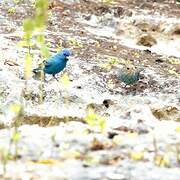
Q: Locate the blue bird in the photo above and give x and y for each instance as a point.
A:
(129, 74)
(55, 64)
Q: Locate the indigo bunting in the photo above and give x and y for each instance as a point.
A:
(55, 64)
(129, 74)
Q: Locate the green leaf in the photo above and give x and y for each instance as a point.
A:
(28, 25)
(16, 108)
(42, 4)
(28, 66)
(12, 10)
(95, 120)
(16, 136)
(40, 39)
(137, 155)
(45, 52)
(40, 21)
(16, 1)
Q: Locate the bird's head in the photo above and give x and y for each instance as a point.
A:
(128, 69)
(129, 74)
(66, 52)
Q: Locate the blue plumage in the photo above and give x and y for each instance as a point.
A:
(55, 64)
(129, 75)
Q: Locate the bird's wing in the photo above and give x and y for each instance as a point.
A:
(59, 57)
(48, 63)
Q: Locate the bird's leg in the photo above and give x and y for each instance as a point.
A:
(45, 80)
(54, 76)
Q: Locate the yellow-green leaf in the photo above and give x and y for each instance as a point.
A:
(42, 4)
(16, 136)
(162, 161)
(28, 25)
(65, 80)
(28, 66)
(178, 129)
(95, 120)
(45, 52)
(47, 161)
(137, 156)
(173, 72)
(41, 39)
(12, 10)
(75, 42)
(174, 61)
(108, 1)
(16, 108)
(16, 1)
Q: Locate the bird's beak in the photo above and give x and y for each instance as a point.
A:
(69, 58)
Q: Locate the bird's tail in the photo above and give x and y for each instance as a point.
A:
(38, 73)
(37, 70)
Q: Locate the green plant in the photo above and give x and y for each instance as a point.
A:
(4, 158)
(95, 120)
(33, 29)
(16, 1)
(12, 10)
(16, 136)
(107, 1)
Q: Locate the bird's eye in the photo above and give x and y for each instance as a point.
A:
(128, 68)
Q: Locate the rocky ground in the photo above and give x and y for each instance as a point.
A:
(141, 124)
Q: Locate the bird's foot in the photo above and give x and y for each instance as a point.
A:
(45, 80)
(55, 77)
(126, 86)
